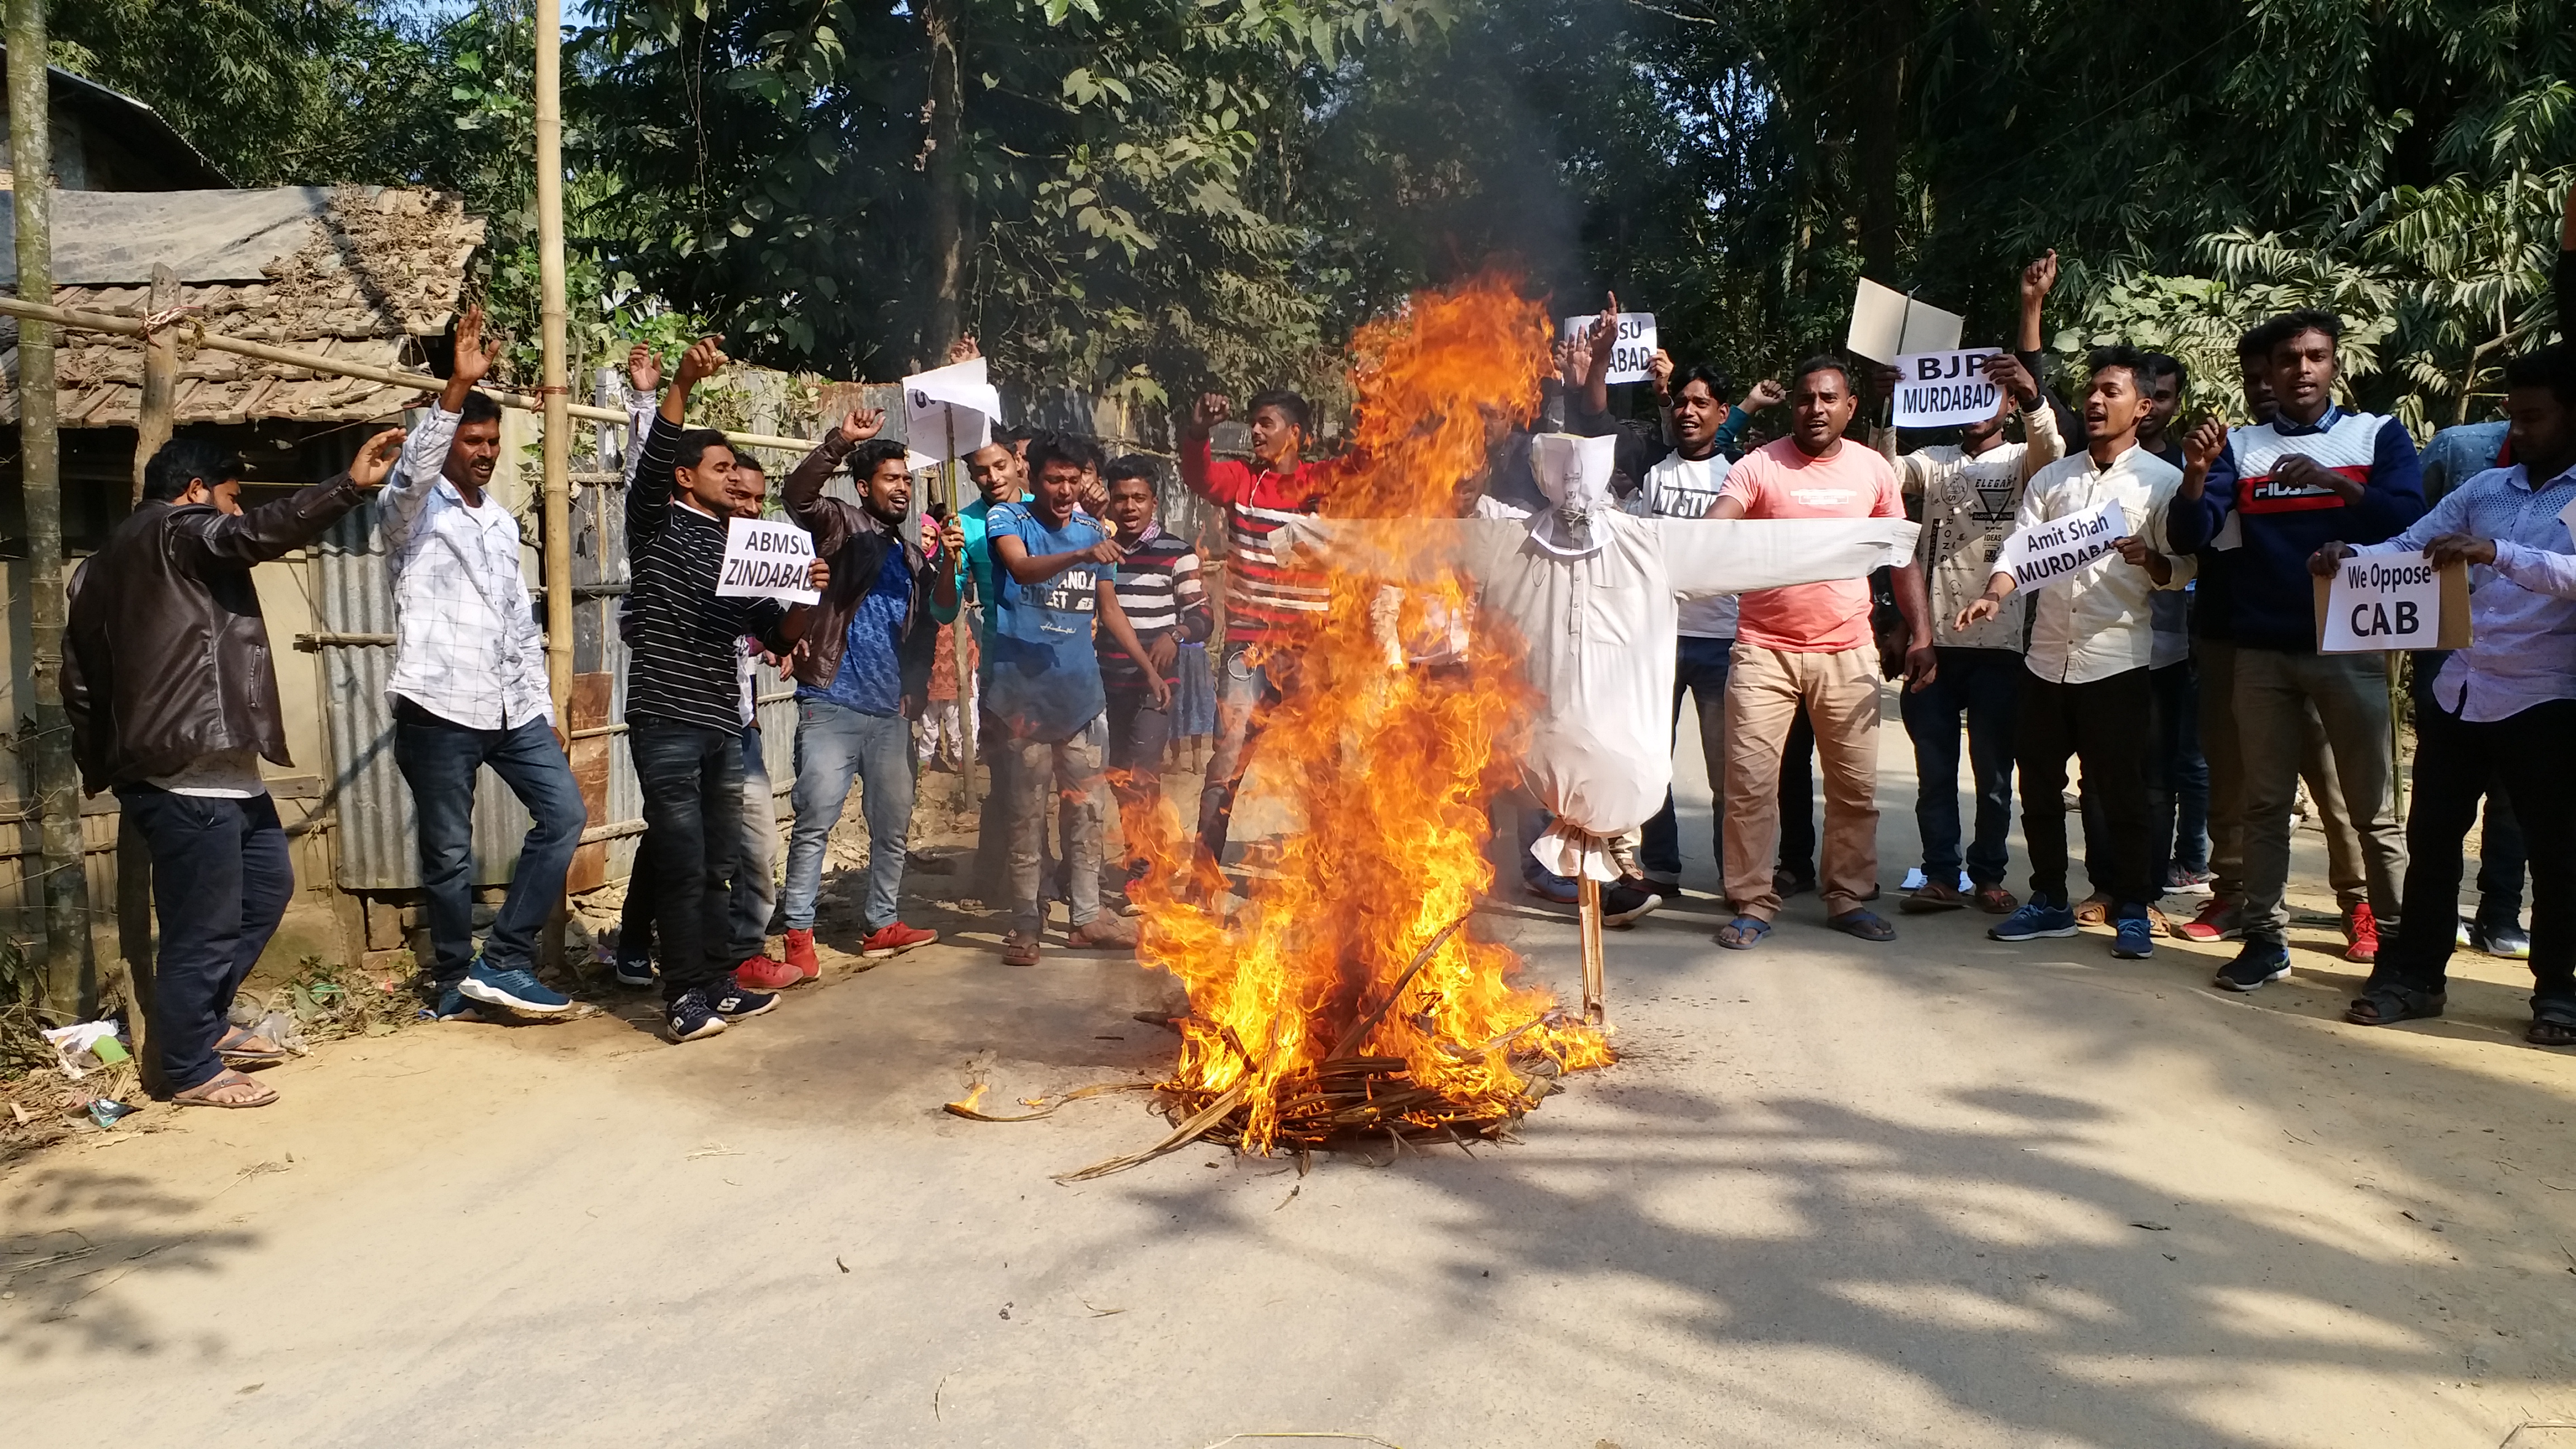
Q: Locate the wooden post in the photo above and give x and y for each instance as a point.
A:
(1587, 906)
(556, 390)
(152, 421)
(944, 164)
(134, 943)
(71, 984)
(966, 713)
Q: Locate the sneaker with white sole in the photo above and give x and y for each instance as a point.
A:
(2036, 918)
(2259, 964)
(733, 1001)
(452, 1006)
(516, 988)
(1624, 903)
(635, 973)
(688, 1017)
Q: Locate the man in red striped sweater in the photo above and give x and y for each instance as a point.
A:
(1263, 599)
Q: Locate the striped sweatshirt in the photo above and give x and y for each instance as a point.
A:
(1160, 590)
(683, 642)
(1261, 595)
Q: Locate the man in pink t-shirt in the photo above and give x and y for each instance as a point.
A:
(1811, 645)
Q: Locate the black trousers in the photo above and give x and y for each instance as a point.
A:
(692, 779)
(2110, 725)
(2527, 755)
(221, 881)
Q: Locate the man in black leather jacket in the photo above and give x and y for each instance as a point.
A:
(173, 704)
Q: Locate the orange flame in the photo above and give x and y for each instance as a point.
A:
(1386, 769)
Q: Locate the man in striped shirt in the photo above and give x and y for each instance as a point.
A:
(1166, 604)
(683, 698)
(1264, 600)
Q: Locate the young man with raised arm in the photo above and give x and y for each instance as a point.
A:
(683, 691)
(172, 703)
(469, 690)
(2092, 642)
(2317, 472)
(1970, 495)
(1263, 597)
(874, 628)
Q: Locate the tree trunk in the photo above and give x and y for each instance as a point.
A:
(1879, 126)
(71, 984)
(941, 22)
(153, 420)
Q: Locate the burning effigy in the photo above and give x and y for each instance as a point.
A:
(1341, 997)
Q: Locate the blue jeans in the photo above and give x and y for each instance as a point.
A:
(755, 890)
(835, 744)
(1699, 670)
(220, 884)
(438, 758)
(692, 780)
(1244, 694)
(1983, 686)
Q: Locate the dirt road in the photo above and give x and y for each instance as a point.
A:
(1940, 1193)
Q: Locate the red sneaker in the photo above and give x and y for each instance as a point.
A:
(761, 973)
(893, 939)
(800, 956)
(2216, 921)
(2361, 933)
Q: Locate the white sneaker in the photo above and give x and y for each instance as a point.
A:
(1915, 879)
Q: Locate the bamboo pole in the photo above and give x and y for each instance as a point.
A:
(71, 985)
(1587, 898)
(556, 392)
(343, 367)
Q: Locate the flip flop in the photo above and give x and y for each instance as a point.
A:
(1862, 925)
(1743, 933)
(2553, 1025)
(202, 1094)
(232, 1051)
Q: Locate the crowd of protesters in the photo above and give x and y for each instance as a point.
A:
(2179, 675)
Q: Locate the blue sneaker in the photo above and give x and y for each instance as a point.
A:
(633, 973)
(1547, 885)
(689, 1017)
(2035, 919)
(517, 988)
(733, 1001)
(2259, 964)
(451, 1006)
(2135, 939)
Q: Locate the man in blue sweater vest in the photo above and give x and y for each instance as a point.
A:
(2273, 494)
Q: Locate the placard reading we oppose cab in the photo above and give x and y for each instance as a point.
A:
(2384, 601)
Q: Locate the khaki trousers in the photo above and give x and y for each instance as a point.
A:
(1763, 692)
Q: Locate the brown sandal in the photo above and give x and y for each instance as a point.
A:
(226, 1088)
(1019, 950)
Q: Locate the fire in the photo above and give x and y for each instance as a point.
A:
(1387, 770)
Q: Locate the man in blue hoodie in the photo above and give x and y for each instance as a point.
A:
(2274, 493)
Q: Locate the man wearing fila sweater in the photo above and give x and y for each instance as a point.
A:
(2273, 494)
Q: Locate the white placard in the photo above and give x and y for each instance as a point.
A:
(948, 412)
(2383, 601)
(2047, 554)
(766, 560)
(1945, 389)
(1887, 324)
(1631, 354)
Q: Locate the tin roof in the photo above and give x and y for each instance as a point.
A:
(362, 273)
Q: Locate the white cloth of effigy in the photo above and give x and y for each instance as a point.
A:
(1595, 594)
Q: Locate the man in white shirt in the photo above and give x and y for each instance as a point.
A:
(2092, 642)
(469, 690)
